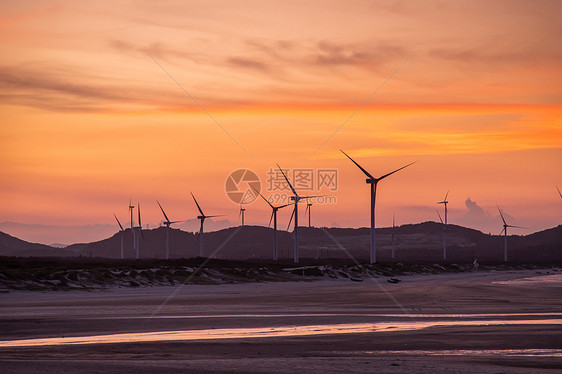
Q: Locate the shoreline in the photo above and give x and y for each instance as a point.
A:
(445, 301)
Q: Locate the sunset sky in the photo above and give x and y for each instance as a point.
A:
(99, 102)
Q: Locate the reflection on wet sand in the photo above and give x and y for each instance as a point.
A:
(385, 315)
(266, 332)
(469, 352)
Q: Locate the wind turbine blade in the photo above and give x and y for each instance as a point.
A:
(196, 203)
(559, 193)
(392, 172)
(283, 206)
(290, 185)
(119, 223)
(501, 232)
(501, 215)
(290, 219)
(240, 213)
(270, 219)
(445, 199)
(217, 215)
(439, 214)
(359, 166)
(138, 206)
(517, 227)
(267, 201)
(306, 210)
(162, 209)
(310, 197)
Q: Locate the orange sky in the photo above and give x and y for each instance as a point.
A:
(90, 117)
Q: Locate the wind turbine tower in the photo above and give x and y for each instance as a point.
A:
(308, 205)
(274, 218)
(122, 230)
(444, 240)
(392, 235)
(241, 215)
(373, 182)
(202, 217)
(504, 231)
(138, 237)
(444, 202)
(131, 209)
(296, 198)
(167, 222)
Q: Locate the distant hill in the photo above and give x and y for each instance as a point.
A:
(416, 243)
(12, 246)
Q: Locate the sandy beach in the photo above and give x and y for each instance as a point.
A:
(478, 322)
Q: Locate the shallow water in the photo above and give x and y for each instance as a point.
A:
(266, 332)
(401, 315)
(470, 352)
(545, 280)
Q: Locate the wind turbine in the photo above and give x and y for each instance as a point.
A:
(167, 222)
(241, 215)
(140, 232)
(122, 230)
(445, 202)
(274, 218)
(444, 239)
(373, 182)
(131, 209)
(296, 198)
(439, 214)
(392, 235)
(308, 205)
(202, 218)
(504, 231)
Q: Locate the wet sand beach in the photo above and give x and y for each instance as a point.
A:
(478, 322)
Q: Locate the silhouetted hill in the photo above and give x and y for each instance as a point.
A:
(12, 246)
(412, 243)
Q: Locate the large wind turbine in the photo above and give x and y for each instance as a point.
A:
(122, 231)
(296, 198)
(138, 237)
(308, 206)
(444, 239)
(131, 209)
(392, 235)
(274, 218)
(202, 218)
(241, 215)
(167, 222)
(445, 202)
(504, 231)
(373, 182)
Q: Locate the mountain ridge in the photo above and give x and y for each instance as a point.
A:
(419, 242)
